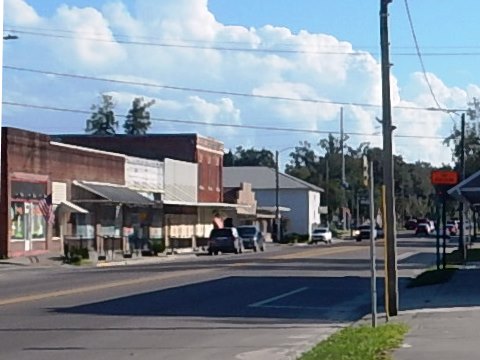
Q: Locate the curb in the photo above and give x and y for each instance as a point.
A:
(144, 261)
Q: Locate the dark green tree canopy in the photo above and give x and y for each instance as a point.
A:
(138, 117)
(249, 157)
(102, 121)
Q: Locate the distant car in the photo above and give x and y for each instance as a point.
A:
(423, 229)
(429, 223)
(452, 228)
(380, 233)
(322, 234)
(252, 237)
(224, 240)
(364, 233)
(411, 224)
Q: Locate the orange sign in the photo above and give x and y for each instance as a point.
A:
(444, 177)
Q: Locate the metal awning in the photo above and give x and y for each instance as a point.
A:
(69, 206)
(113, 194)
(468, 190)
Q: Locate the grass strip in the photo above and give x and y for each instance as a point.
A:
(359, 343)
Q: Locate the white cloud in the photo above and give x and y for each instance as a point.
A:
(170, 25)
(19, 12)
(87, 24)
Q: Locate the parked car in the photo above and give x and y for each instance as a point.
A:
(322, 234)
(252, 238)
(429, 223)
(224, 240)
(423, 229)
(380, 233)
(364, 232)
(411, 224)
(452, 228)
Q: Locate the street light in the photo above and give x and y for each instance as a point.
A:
(277, 191)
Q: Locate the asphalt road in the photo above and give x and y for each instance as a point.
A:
(271, 305)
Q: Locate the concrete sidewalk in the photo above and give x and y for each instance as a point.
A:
(444, 319)
(55, 259)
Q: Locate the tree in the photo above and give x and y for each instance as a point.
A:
(138, 118)
(249, 157)
(102, 121)
(472, 140)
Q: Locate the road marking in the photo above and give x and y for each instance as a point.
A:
(317, 252)
(91, 288)
(405, 255)
(275, 298)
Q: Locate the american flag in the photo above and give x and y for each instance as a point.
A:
(46, 208)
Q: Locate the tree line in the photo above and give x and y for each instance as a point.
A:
(414, 193)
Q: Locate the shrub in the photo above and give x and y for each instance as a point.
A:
(75, 255)
(158, 246)
(295, 237)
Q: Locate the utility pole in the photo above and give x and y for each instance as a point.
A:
(461, 210)
(277, 205)
(327, 187)
(344, 183)
(373, 265)
(387, 129)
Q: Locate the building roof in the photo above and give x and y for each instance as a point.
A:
(262, 177)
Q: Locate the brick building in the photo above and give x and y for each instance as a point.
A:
(205, 151)
(30, 166)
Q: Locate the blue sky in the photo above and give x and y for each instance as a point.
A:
(310, 27)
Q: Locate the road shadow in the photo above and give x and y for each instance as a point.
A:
(256, 300)
(277, 300)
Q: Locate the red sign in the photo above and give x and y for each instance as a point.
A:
(444, 177)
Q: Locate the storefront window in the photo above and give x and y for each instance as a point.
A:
(38, 222)
(18, 220)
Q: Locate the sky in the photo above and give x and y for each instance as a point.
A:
(259, 66)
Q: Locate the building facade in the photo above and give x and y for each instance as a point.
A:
(301, 198)
(30, 166)
(204, 151)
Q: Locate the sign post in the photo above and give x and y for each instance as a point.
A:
(443, 180)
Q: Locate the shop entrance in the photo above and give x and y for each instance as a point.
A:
(28, 224)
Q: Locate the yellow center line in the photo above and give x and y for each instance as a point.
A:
(317, 252)
(103, 286)
(312, 252)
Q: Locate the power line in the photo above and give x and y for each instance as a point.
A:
(181, 40)
(205, 123)
(238, 49)
(116, 35)
(187, 46)
(419, 54)
(218, 92)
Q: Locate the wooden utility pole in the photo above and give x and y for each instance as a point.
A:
(461, 209)
(390, 235)
(277, 204)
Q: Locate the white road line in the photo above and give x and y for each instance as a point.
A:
(275, 298)
(405, 255)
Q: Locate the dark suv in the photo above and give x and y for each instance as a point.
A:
(252, 238)
(225, 240)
